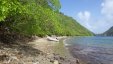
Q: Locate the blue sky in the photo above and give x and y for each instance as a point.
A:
(95, 15)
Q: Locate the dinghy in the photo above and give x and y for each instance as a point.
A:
(52, 39)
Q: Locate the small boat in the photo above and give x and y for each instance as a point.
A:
(52, 39)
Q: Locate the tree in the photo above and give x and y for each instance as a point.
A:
(55, 4)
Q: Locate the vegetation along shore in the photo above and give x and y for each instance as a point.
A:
(24, 25)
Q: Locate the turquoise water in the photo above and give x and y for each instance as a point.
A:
(92, 50)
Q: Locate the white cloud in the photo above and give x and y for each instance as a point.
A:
(101, 24)
(107, 12)
(84, 18)
(107, 9)
(104, 23)
(84, 15)
(96, 26)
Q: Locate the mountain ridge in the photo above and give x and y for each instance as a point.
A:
(109, 32)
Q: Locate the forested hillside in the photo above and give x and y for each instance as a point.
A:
(109, 32)
(37, 17)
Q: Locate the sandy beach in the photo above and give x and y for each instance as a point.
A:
(38, 51)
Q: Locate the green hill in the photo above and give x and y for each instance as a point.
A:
(109, 32)
(37, 17)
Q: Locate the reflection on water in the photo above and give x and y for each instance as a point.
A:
(93, 50)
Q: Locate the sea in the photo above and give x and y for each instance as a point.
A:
(91, 50)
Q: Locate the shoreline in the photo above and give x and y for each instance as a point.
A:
(67, 46)
(39, 51)
(69, 52)
(64, 52)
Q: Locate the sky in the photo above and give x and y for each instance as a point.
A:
(95, 15)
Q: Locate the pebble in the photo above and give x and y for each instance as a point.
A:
(56, 62)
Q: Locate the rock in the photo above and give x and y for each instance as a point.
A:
(36, 63)
(51, 61)
(61, 58)
(3, 57)
(56, 62)
(77, 61)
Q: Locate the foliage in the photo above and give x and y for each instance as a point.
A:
(33, 17)
(9, 7)
(55, 4)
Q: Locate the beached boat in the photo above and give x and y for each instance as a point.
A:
(52, 39)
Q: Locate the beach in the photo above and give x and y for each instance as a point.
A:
(38, 51)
